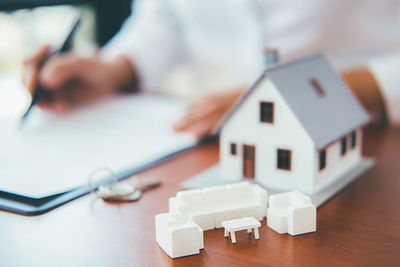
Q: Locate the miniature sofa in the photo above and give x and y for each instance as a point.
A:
(177, 236)
(210, 206)
(292, 213)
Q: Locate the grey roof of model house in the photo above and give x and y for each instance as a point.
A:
(325, 116)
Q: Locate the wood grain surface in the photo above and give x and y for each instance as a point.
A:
(360, 226)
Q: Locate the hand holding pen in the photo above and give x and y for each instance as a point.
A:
(66, 79)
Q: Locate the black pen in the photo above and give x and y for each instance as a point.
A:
(40, 92)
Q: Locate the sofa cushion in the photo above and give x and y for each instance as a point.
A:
(215, 194)
(228, 214)
(252, 210)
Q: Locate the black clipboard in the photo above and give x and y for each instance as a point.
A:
(30, 206)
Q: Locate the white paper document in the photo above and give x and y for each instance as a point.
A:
(52, 153)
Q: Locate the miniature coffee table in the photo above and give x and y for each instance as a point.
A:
(248, 223)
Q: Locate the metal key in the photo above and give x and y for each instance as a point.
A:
(144, 184)
(115, 189)
(127, 191)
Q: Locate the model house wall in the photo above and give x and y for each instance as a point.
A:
(285, 132)
(336, 163)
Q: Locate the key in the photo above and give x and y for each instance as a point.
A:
(144, 184)
(115, 189)
(127, 191)
(132, 197)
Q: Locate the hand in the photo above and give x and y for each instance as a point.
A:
(203, 115)
(74, 80)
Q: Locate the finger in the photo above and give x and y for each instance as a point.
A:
(220, 100)
(200, 129)
(203, 127)
(38, 57)
(197, 111)
(44, 105)
(73, 95)
(191, 118)
(76, 94)
(60, 105)
(62, 69)
(30, 78)
(217, 104)
(32, 67)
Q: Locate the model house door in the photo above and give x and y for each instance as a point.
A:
(249, 154)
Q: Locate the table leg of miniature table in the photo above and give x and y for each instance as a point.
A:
(256, 235)
(233, 237)
(226, 233)
(249, 230)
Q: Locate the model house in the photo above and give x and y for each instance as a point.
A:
(299, 127)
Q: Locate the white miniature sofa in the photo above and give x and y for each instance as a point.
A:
(210, 206)
(177, 236)
(292, 213)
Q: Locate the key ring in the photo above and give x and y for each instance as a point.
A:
(98, 170)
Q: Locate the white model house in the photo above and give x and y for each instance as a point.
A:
(298, 128)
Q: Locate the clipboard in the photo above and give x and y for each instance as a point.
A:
(31, 206)
(126, 144)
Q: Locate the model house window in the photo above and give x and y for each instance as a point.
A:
(353, 139)
(322, 159)
(284, 159)
(267, 112)
(343, 146)
(317, 87)
(233, 149)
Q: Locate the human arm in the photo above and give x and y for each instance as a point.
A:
(143, 51)
(150, 40)
(365, 87)
(377, 86)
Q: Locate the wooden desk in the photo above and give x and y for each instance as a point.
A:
(360, 226)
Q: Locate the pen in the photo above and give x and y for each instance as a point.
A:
(40, 92)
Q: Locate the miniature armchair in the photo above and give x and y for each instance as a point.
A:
(177, 235)
(292, 213)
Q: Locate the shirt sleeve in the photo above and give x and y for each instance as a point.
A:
(387, 73)
(150, 39)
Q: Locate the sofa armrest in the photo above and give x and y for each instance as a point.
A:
(262, 196)
(173, 204)
(302, 220)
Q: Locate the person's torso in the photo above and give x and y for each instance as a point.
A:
(226, 38)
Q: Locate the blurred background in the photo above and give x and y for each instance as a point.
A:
(208, 57)
(26, 25)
